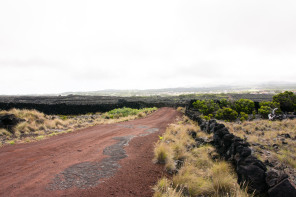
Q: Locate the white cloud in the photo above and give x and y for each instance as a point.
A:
(57, 46)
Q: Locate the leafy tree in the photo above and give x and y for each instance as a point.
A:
(287, 101)
(226, 114)
(224, 103)
(206, 107)
(264, 111)
(243, 116)
(244, 105)
(271, 104)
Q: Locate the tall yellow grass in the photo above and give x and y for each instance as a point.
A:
(37, 123)
(200, 175)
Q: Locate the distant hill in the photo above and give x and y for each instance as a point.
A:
(267, 88)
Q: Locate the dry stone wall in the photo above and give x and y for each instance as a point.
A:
(250, 170)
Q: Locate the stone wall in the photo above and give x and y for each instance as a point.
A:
(249, 169)
(75, 109)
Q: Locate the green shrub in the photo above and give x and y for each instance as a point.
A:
(226, 114)
(206, 107)
(244, 105)
(271, 104)
(125, 111)
(11, 142)
(264, 111)
(224, 103)
(63, 117)
(287, 101)
(243, 116)
(206, 117)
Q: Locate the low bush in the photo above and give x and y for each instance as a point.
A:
(264, 111)
(243, 116)
(270, 104)
(124, 112)
(287, 101)
(224, 103)
(227, 114)
(206, 107)
(11, 142)
(244, 105)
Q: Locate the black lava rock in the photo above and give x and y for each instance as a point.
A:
(8, 121)
(254, 176)
(282, 189)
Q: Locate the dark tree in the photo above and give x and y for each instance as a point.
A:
(287, 101)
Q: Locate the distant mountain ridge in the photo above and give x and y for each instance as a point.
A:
(271, 88)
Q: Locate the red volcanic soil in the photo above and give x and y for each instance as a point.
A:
(104, 160)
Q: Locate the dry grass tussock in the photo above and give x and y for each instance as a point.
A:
(271, 137)
(199, 175)
(38, 126)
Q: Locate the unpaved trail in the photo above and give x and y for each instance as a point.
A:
(91, 162)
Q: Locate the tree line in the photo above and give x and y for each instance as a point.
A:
(243, 109)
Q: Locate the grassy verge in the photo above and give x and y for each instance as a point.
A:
(269, 139)
(38, 126)
(197, 171)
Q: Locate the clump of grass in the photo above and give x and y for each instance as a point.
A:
(5, 133)
(181, 109)
(164, 188)
(23, 127)
(53, 134)
(11, 142)
(223, 178)
(194, 179)
(199, 175)
(141, 114)
(162, 153)
(40, 137)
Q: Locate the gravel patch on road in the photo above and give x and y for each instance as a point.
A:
(87, 174)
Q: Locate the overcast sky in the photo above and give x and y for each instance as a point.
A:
(68, 45)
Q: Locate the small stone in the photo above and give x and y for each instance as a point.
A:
(284, 142)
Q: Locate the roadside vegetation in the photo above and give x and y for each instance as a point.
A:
(37, 125)
(270, 139)
(192, 170)
(244, 109)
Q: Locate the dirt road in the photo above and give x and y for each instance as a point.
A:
(90, 162)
